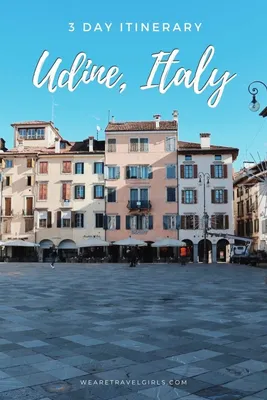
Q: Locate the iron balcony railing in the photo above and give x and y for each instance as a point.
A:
(139, 205)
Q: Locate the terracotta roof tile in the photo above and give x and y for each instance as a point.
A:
(196, 146)
(141, 126)
(32, 123)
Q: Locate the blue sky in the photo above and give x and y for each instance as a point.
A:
(237, 32)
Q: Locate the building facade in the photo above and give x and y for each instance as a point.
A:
(141, 181)
(205, 172)
(53, 190)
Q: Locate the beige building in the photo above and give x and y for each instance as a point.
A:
(53, 190)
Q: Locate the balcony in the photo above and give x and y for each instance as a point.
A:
(139, 205)
(66, 204)
(7, 213)
(27, 213)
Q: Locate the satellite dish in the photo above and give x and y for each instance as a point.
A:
(98, 128)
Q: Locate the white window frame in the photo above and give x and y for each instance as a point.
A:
(111, 222)
(167, 144)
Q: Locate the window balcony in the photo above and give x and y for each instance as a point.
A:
(66, 204)
(139, 205)
(7, 213)
(27, 213)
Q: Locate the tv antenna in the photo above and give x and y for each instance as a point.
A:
(53, 110)
(98, 129)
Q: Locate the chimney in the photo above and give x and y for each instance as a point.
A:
(91, 144)
(57, 145)
(20, 144)
(112, 119)
(205, 140)
(157, 119)
(175, 115)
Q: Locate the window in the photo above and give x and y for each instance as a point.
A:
(139, 172)
(139, 222)
(170, 222)
(188, 171)
(220, 221)
(9, 163)
(218, 196)
(240, 209)
(8, 180)
(170, 143)
(256, 225)
(111, 195)
(79, 192)
(98, 192)
(113, 222)
(218, 157)
(29, 180)
(42, 191)
(190, 221)
(218, 171)
(98, 168)
(65, 219)
(62, 145)
(189, 196)
(29, 224)
(66, 191)
(171, 194)
(79, 220)
(66, 168)
(144, 144)
(42, 219)
(139, 194)
(111, 145)
(8, 210)
(43, 167)
(113, 172)
(79, 168)
(140, 144)
(171, 171)
(32, 133)
(99, 220)
(29, 163)
(188, 157)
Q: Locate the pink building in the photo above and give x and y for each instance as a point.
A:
(141, 180)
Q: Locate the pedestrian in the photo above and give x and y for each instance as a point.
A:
(53, 256)
(133, 257)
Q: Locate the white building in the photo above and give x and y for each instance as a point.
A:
(202, 164)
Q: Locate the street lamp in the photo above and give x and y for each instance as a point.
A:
(205, 177)
(254, 106)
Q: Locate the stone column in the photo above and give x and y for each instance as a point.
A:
(195, 253)
(214, 252)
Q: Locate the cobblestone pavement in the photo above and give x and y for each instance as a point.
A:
(106, 332)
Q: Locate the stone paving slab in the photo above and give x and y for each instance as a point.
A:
(203, 327)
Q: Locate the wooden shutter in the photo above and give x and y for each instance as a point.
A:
(128, 222)
(82, 220)
(64, 191)
(68, 191)
(94, 192)
(196, 226)
(212, 171)
(127, 172)
(225, 196)
(58, 219)
(49, 219)
(150, 222)
(183, 197)
(213, 196)
(195, 170)
(182, 171)
(94, 168)
(150, 172)
(178, 221)
(183, 222)
(118, 222)
(165, 222)
(226, 222)
(225, 171)
(195, 196)
(83, 195)
(213, 222)
(117, 172)
(72, 219)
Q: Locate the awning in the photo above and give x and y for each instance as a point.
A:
(130, 242)
(93, 242)
(19, 243)
(169, 243)
(46, 244)
(67, 244)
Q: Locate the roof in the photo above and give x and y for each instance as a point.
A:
(35, 122)
(74, 148)
(195, 148)
(141, 126)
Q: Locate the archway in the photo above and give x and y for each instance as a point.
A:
(201, 250)
(67, 249)
(45, 246)
(190, 245)
(222, 250)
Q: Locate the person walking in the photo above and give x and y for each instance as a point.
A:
(53, 256)
(133, 257)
